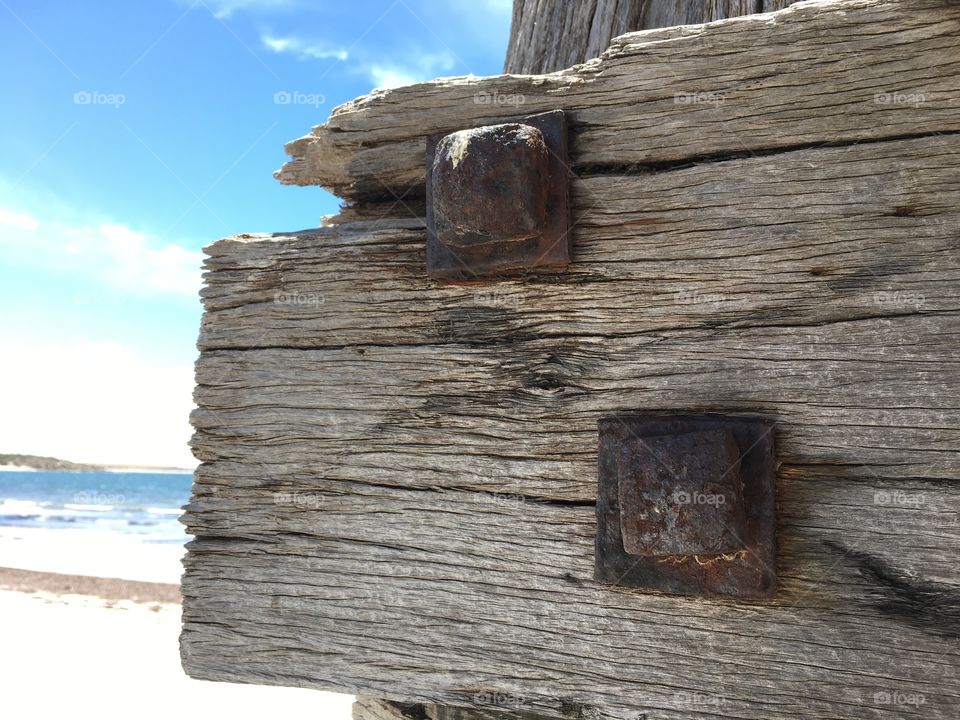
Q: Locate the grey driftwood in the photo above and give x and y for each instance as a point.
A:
(397, 480)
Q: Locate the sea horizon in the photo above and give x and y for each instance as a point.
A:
(107, 523)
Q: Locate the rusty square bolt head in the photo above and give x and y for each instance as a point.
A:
(681, 494)
(490, 184)
(686, 505)
(498, 199)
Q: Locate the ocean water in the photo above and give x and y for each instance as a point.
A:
(109, 524)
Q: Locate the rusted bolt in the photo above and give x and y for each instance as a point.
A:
(490, 185)
(686, 505)
(497, 199)
(681, 494)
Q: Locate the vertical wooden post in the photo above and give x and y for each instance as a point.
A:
(550, 35)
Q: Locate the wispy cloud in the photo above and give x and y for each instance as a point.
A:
(17, 220)
(226, 8)
(387, 76)
(303, 49)
(108, 255)
(420, 66)
(416, 66)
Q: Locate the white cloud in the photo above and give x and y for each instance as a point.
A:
(94, 402)
(225, 8)
(303, 49)
(420, 67)
(390, 77)
(17, 221)
(417, 66)
(108, 255)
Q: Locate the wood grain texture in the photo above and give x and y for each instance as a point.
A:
(397, 486)
(817, 286)
(549, 35)
(803, 238)
(396, 494)
(435, 416)
(465, 599)
(366, 708)
(668, 13)
(672, 95)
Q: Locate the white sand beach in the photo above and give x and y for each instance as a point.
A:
(81, 647)
(81, 552)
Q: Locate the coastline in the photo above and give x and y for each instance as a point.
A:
(104, 524)
(34, 582)
(89, 553)
(79, 646)
(91, 601)
(132, 469)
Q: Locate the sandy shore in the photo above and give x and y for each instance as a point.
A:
(109, 589)
(75, 646)
(83, 553)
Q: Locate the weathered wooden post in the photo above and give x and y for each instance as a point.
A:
(398, 495)
(550, 35)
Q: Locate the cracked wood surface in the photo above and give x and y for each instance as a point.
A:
(818, 286)
(813, 73)
(397, 480)
(454, 598)
(550, 35)
(366, 708)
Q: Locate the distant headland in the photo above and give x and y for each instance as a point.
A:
(39, 462)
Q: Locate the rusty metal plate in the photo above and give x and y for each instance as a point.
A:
(498, 199)
(687, 505)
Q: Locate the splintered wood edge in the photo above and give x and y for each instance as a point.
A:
(373, 147)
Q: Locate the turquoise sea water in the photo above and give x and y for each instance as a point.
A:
(145, 505)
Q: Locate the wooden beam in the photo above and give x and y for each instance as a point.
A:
(802, 238)
(465, 599)
(813, 73)
(366, 708)
(396, 493)
(397, 486)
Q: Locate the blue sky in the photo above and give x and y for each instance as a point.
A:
(133, 135)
